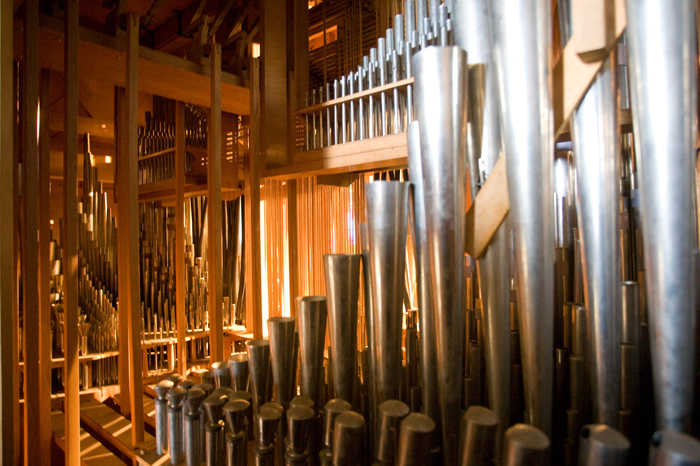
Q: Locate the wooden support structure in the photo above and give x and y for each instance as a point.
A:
(180, 278)
(9, 408)
(70, 237)
(253, 277)
(30, 259)
(215, 279)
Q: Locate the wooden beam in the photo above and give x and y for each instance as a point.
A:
(220, 16)
(45, 350)
(9, 408)
(215, 280)
(71, 370)
(129, 229)
(30, 259)
(152, 11)
(180, 279)
(253, 276)
(94, 126)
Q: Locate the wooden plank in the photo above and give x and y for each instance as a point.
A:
(71, 371)
(30, 259)
(129, 231)
(593, 28)
(93, 453)
(45, 349)
(9, 408)
(215, 280)
(253, 277)
(180, 279)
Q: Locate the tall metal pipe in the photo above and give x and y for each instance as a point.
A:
(312, 313)
(595, 135)
(161, 407)
(240, 375)
(601, 445)
(426, 316)
(259, 366)
(479, 427)
(369, 328)
(525, 445)
(235, 412)
(440, 101)
(521, 36)
(281, 334)
(664, 108)
(342, 293)
(415, 440)
(669, 448)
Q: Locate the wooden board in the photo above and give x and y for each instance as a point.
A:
(93, 453)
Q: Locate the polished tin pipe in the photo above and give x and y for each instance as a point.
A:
(601, 445)
(369, 327)
(387, 216)
(175, 427)
(441, 110)
(331, 411)
(312, 313)
(193, 427)
(669, 448)
(235, 412)
(595, 136)
(222, 374)
(662, 45)
(259, 366)
(240, 375)
(478, 428)
(266, 424)
(161, 407)
(342, 293)
(299, 419)
(521, 35)
(347, 436)
(281, 334)
(214, 428)
(428, 338)
(415, 440)
(391, 413)
(246, 396)
(525, 445)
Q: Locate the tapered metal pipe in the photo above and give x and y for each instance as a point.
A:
(312, 313)
(595, 135)
(214, 405)
(266, 425)
(259, 366)
(222, 374)
(521, 36)
(391, 413)
(161, 407)
(193, 427)
(479, 426)
(664, 108)
(299, 420)
(670, 448)
(428, 338)
(347, 434)
(235, 412)
(281, 334)
(369, 328)
(342, 293)
(241, 395)
(240, 375)
(525, 445)
(601, 445)
(440, 100)
(331, 411)
(415, 440)
(175, 427)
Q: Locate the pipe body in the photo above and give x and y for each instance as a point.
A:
(601, 445)
(312, 312)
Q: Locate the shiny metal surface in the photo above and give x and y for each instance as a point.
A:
(415, 440)
(312, 312)
(440, 104)
(259, 366)
(299, 420)
(479, 426)
(595, 136)
(222, 374)
(235, 412)
(670, 448)
(161, 414)
(342, 294)
(525, 445)
(193, 426)
(601, 445)
(391, 413)
(240, 375)
(369, 327)
(662, 44)
(175, 424)
(387, 217)
(347, 436)
(281, 334)
(426, 316)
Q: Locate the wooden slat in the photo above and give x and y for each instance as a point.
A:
(9, 408)
(180, 281)
(45, 349)
(93, 453)
(593, 32)
(215, 280)
(30, 259)
(71, 371)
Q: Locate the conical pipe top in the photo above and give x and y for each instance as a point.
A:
(387, 224)
(331, 411)
(266, 424)
(195, 397)
(222, 374)
(298, 427)
(259, 366)
(415, 440)
(441, 104)
(175, 396)
(312, 313)
(342, 293)
(240, 375)
(235, 412)
(347, 435)
(281, 333)
(162, 389)
(214, 405)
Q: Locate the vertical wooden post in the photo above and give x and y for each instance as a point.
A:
(129, 230)
(122, 155)
(252, 211)
(8, 401)
(44, 269)
(180, 279)
(30, 264)
(70, 237)
(215, 279)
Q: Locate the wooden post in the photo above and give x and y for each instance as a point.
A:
(45, 349)
(253, 280)
(180, 279)
(30, 264)
(215, 279)
(129, 229)
(70, 237)
(9, 408)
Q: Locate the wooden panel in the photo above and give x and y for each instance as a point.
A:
(215, 280)
(593, 28)
(9, 415)
(71, 369)
(30, 259)
(93, 453)
(180, 237)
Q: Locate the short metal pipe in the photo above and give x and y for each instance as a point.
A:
(478, 428)
(669, 448)
(415, 440)
(525, 445)
(601, 445)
